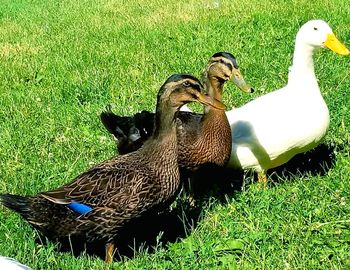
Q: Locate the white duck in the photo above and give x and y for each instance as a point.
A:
(271, 129)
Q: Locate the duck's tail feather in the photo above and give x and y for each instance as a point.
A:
(16, 203)
(116, 125)
(53, 220)
(130, 131)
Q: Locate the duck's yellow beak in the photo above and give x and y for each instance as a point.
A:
(335, 45)
(206, 100)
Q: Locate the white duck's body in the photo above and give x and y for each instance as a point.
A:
(273, 128)
(285, 131)
(11, 264)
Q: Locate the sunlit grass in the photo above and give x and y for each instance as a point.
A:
(62, 62)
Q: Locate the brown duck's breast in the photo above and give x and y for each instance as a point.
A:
(206, 141)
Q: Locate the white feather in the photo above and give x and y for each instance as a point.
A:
(11, 264)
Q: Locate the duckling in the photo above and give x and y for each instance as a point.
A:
(202, 138)
(273, 128)
(102, 200)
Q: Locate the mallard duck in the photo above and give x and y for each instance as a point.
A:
(271, 129)
(202, 138)
(102, 200)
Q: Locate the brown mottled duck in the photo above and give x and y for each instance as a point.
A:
(102, 200)
(202, 138)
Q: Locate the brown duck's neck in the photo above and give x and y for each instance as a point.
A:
(214, 88)
(162, 150)
(163, 143)
(213, 120)
(165, 123)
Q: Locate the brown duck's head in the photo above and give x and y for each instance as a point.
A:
(223, 67)
(180, 89)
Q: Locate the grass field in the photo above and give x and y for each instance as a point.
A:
(62, 62)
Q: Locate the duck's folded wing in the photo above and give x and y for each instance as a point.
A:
(97, 185)
(105, 221)
(144, 122)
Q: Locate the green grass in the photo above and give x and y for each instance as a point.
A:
(61, 62)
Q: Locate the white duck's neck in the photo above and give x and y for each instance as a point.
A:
(302, 72)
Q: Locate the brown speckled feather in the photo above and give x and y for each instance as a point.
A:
(203, 139)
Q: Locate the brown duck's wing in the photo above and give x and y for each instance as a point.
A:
(105, 220)
(102, 222)
(100, 184)
(112, 203)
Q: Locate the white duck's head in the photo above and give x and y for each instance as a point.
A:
(317, 33)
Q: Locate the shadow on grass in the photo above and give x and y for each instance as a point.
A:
(314, 162)
(147, 233)
(141, 235)
(222, 183)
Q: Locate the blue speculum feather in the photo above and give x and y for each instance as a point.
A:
(79, 208)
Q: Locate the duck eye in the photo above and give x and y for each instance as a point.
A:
(186, 84)
(315, 28)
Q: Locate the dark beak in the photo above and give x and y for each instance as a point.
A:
(206, 100)
(238, 80)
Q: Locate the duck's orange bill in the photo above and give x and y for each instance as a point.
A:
(206, 100)
(335, 45)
